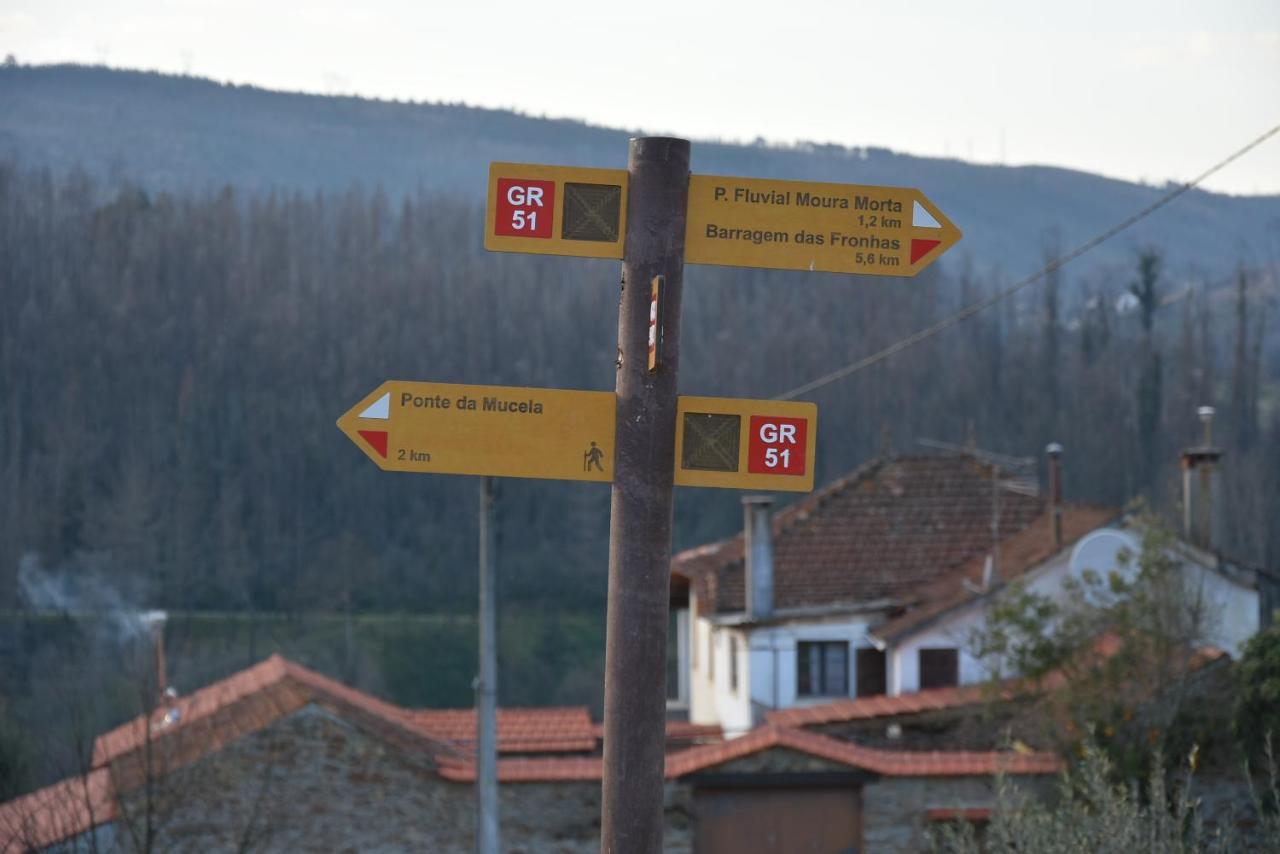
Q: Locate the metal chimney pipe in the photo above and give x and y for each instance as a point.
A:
(1054, 450)
(757, 552)
(1202, 519)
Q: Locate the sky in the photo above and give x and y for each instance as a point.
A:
(1144, 90)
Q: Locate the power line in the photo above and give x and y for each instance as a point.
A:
(1056, 264)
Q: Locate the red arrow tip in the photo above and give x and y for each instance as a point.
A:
(921, 248)
(377, 440)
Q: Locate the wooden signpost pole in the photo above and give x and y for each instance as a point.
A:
(640, 521)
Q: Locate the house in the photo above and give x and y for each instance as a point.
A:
(875, 584)
(279, 757)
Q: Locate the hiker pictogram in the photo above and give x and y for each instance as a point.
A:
(592, 457)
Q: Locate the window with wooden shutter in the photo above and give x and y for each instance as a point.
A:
(871, 672)
(939, 668)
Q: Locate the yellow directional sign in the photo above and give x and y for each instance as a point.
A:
(443, 428)
(745, 444)
(797, 225)
(556, 210)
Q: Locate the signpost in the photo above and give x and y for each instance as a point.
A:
(443, 428)
(655, 217)
(798, 225)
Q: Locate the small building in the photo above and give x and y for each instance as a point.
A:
(280, 758)
(876, 583)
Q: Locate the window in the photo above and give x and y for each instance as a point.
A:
(711, 652)
(871, 679)
(733, 663)
(822, 669)
(939, 668)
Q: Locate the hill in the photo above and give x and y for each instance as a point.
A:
(172, 132)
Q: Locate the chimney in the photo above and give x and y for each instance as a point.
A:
(757, 551)
(1201, 489)
(1054, 450)
(155, 622)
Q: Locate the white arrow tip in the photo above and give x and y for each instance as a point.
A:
(380, 408)
(921, 218)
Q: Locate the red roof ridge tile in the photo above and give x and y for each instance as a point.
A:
(880, 705)
(270, 675)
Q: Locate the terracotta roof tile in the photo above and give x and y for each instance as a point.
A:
(248, 701)
(895, 763)
(520, 730)
(880, 533)
(864, 708)
(680, 731)
(899, 763)
(61, 811)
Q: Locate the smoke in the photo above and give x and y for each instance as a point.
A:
(80, 589)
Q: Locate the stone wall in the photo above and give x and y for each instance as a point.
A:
(314, 782)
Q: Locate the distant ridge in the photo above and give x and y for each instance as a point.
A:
(177, 132)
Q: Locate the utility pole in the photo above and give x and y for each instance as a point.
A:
(640, 518)
(487, 685)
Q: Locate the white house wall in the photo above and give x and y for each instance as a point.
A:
(1233, 614)
(733, 706)
(766, 668)
(1232, 610)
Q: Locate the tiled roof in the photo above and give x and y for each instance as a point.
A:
(542, 730)
(866, 708)
(892, 763)
(61, 811)
(250, 700)
(881, 533)
(895, 763)
(1019, 554)
(678, 731)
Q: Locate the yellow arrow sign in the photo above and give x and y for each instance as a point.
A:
(443, 428)
(737, 222)
(797, 225)
(766, 445)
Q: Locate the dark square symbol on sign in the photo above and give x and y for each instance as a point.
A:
(591, 212)
(710, 441)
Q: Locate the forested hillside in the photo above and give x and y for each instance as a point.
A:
(171, 132)
(171, 367)
(197, 280)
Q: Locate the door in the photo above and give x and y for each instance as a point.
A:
(761, 820)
